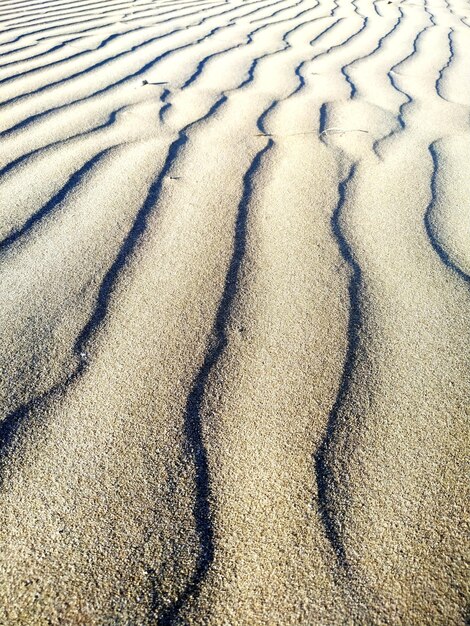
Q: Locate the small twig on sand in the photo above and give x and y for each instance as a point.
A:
(307, 132)
(336, 129)
(314, 132)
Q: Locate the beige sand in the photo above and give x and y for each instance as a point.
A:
(235, 321)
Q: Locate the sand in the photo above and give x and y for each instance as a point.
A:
(235, 321)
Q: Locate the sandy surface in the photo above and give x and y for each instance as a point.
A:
(235, 321)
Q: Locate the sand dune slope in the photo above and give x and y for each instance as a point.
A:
(235, 322)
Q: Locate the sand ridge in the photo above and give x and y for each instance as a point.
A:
(234, 260)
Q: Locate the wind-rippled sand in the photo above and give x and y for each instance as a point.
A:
(235, 319)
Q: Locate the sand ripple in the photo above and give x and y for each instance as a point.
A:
(234, 260)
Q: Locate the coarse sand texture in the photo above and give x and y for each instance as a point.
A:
(235, 312)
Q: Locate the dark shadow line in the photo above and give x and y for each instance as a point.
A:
(286, 45)
(408, 99)
(39, 6)
(30, 58)
(432, 19)
(300, 78)
(291, 6)
(264, 115)
(61, 142)
(54, 13)
(337, 45)
(44, 20)
(371, 53)
(34, 33)
(193, 419)
(103, 43)
(324, 476)
(301, 85)
(446, 66)
(45, 210)
(35, 15)
(31, 119)
(87, 69)
(438, 248)
(165, 105)
(323, 119)
(202, 63)
(63, 60)
(11, 424)
(267, 6)
(96, 17)
(343, 71)
(205, 60)
(150, 64)
(129, 245)
(21, 75)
